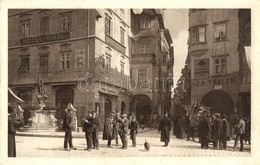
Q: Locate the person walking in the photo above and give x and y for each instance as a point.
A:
(11, 133)
(67, 127)
(186, 125)
(240, 133)
(95, 137)
(123, 130)
(133, 130)
(217, 129)
(248, 130)
(109, 129)
(116, 127)
(88, 129)
(225, 133)
(165, 128)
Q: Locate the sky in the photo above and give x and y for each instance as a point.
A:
(176, 20)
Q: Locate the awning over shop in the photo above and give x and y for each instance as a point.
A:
(248, 55)
(13, 98)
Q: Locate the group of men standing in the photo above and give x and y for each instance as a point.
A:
(218, 130)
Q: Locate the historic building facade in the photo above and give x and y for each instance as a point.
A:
(82, 56)
(220, 77)
(151, 62)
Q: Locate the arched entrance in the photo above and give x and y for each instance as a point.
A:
(64, 95)
(220, 101)
(142, 107)
(108, 108)
(122, 107)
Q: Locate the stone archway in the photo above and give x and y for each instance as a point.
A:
(143, 107)
(220, 101)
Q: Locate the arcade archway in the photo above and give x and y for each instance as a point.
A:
(142, 107)
(220, 101)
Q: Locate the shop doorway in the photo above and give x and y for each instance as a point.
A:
(64, 95)
(220, 101)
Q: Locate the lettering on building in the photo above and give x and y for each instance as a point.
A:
(216, 81)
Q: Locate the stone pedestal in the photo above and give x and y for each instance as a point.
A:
(41, 120)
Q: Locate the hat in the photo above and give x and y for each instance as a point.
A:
(112, 113)
(117, 113)
(217, 114)
(124, 115)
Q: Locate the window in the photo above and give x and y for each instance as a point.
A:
(66, 21)
(65, 61)
(144, 48)
(145, 23)
(108, 62)
(122, 36)
(198, 34)
(25, 65)
(44, 25)
(141, 75)
(108, 26)
(122, 69)
(220, 66)
(44, 63)
(25, 28)
(220, 31)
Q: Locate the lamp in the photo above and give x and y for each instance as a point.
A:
(137, 11)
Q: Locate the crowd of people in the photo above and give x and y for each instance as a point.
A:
(217, 129)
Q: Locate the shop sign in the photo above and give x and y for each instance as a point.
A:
(216, 81)
(201, 68)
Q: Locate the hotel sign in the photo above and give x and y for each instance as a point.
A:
(46, 38)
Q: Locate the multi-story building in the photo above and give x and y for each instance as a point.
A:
(82, 56)
(151, 65)
(220, 77)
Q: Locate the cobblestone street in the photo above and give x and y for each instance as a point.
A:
(53, 147)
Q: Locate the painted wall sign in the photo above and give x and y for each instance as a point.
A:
(216, 81)
(80, 59)
(46, 38)
(201, 68)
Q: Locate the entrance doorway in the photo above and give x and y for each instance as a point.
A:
(63, 96)
(143, 108)
(108, 108)
(220, 101)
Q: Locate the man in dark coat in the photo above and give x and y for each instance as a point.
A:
(11, 133)
(116, 127)
(95, 131)
(67, 127)
(109, 129)
(123, 129)
(133, 130)
(165, 128)
(88, 129)
(225, 131)
(217, 128)
(205, 130)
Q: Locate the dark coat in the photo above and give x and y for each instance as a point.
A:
(165, 127)
(133, 126)
(109, 129)
(225, 128)
(95, 127)
(11, 137)
(217, 129)
(88, 126)
(123, 126)
(67, 122)
(205, 128)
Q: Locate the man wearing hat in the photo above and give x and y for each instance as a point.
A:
(95, 130)
(133, 130)
(67, 127)
(88, 129)
(165, 128)
(217, 131)
(109, 129)
(123, 129)
(116, 126)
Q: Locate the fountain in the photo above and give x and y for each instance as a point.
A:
(42, 119)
